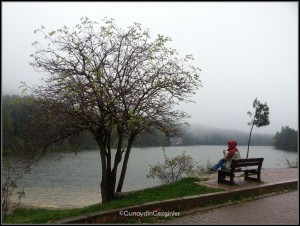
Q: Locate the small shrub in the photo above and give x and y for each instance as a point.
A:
(9, 184)
(202, 169)
(173, 169)
(176, 168)
(291, 164)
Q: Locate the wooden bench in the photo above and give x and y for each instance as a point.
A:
(248, 166)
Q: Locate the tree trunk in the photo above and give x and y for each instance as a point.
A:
(109, 175)
(108, 181)
(124, 166)
(108, 184)
(249, 140)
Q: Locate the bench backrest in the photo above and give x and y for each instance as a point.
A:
(237, 163)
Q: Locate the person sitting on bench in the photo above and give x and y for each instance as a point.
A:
(232, 153)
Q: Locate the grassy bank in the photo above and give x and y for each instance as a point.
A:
(184, 187)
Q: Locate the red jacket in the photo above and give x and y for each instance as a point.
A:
(231, 149)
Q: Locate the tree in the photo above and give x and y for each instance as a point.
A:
(286, 139)
(260, 117)
(113, 83)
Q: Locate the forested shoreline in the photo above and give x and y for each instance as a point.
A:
(13, 131)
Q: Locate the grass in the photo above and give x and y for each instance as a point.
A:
(184, 187)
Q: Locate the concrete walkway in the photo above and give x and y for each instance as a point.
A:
(277, 209)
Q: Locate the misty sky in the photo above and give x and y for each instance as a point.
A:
(245, 50)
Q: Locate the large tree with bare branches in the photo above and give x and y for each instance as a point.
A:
(113, 83)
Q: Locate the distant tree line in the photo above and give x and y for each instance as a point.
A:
(12, 126)
(286, 139)
(15, 123)
(14, 134)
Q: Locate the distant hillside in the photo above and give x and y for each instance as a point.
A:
(197, 134)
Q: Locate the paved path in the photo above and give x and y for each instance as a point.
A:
(279, 209)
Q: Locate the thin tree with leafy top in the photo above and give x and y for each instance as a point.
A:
(259, 118)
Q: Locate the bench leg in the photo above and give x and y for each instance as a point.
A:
(231, 178)
(247, 177)
(222, 178)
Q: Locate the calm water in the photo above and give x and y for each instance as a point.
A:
(73, 180)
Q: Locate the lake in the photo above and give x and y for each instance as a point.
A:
(73, 180)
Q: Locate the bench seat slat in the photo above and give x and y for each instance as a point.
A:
(246, 164)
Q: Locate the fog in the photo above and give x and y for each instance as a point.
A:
(245, 50)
